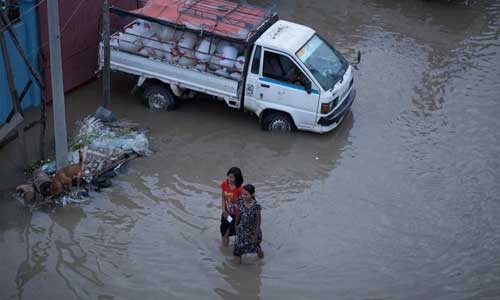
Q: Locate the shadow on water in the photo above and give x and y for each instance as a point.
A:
(245, 281)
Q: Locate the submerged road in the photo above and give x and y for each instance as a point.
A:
(402, 201)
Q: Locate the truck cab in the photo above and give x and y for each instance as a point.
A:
(295, 79)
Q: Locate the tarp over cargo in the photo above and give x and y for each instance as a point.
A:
(222, 18)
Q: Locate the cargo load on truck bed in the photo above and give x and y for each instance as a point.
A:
(207, 35)
(219, 17)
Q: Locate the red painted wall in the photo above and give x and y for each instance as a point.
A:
(79, 39)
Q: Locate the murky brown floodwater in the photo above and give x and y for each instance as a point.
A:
(401, 202)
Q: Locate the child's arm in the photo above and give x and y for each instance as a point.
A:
(224, 212)
(257, 227)
(237, 220)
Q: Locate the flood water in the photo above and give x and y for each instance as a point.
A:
(400, 202)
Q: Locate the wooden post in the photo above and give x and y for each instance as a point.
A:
(106, 85)
(14, 96)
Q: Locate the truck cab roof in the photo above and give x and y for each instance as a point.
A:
(285, 36)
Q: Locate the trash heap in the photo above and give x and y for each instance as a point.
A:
(100, 151)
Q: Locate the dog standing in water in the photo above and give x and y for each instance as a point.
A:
(65, 176)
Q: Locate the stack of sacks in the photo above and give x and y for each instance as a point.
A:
(185, 54)
(149, 41)
(167, 51)
(158, 41)
(164, 33)
(166, 42)
(225, 62)
(204, 51)
(229, 53)
(224, 56)
(131, 40)
(153, 47)
(222, 72)
(239, 66)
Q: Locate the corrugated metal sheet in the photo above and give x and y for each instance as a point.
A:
(26, 31)
(80, 26)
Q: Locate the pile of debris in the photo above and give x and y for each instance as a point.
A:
(98, 152)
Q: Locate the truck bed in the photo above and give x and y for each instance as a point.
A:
(184, 77)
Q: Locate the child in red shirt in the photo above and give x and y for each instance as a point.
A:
(231, 190)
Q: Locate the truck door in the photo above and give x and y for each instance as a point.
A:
(284, 84)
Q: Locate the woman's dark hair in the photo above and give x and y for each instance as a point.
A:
(236, 172)
(250, 189)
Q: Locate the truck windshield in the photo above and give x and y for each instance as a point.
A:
(324, 62)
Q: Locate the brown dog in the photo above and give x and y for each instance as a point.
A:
(26, 191)
(65, 176)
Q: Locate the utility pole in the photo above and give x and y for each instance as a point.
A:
(106, 85)
(56, 74)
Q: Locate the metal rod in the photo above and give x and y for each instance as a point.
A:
(25, 90)
(56, 74)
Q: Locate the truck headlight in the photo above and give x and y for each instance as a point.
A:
(328, 107)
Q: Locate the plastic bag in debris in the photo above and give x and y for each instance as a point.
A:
(94, 134)
(137, 142)
(75, 197)
(90, 127)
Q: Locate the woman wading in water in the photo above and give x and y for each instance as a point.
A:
(231, 190)
(248, 219)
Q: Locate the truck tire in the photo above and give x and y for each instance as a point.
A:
(159, 97)
(278, 122)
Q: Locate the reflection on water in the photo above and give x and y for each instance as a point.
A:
(244, 281)
(400, 202)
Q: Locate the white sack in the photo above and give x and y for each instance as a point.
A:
(229, 53)
(129, 41)
(236, 76)
(240, 64)
(187, 59)
(205, 50)
(222, 72)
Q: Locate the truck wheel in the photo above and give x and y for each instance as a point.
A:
(158, 97)
(280, 122)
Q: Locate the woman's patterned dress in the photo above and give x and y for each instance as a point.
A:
(245, 242)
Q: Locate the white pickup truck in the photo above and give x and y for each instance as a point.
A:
(290, 77)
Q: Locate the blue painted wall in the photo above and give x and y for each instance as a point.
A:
(27, 31)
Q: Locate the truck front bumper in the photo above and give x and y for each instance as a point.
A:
(339, 113)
